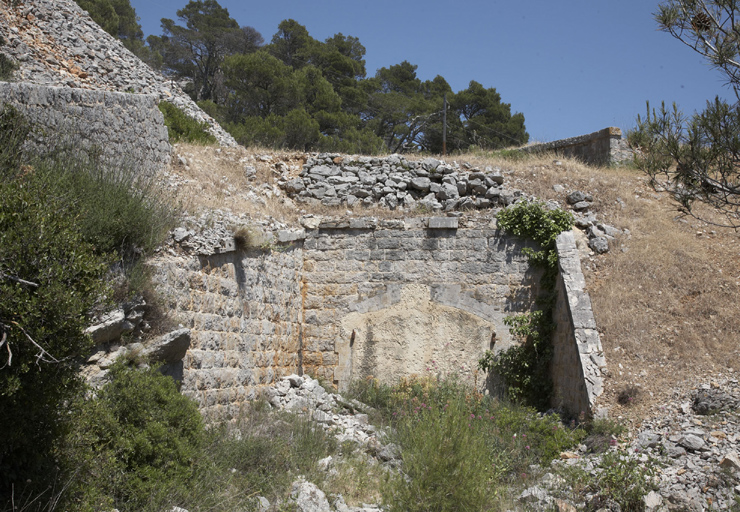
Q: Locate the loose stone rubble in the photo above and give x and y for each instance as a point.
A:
(347, 420)
(694, 441)
(122, 334)
(429, 184)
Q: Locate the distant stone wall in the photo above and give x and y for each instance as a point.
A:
(605, 147)
(578, 362)
(127, 128)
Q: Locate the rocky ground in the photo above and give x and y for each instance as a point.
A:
(691, 442)
(686, 455)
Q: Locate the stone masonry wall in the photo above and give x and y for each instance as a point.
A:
(421, 296)
(344, 299)
(578, 362)
(56, 43)
(244, 313)
(604, 147)
(127, 128)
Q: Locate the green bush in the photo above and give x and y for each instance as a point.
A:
(119, 211)
(536, 222)
(182, 128)
(63, 223)
(625, 479)
(41, 325)
(134, 445)
(461, 450)
(444, 455)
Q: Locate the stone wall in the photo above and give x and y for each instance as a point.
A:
(126, 128)
(344, 299)
(578, 363)
(56, 43)
(421, 296)
(244, 311)
(605, 147)
(397, 182)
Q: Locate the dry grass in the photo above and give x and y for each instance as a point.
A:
(666, 297)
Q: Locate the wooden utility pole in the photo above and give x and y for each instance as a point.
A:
(444, 126)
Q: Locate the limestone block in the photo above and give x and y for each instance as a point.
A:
(443, 223)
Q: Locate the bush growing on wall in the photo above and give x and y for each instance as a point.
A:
(525, 368)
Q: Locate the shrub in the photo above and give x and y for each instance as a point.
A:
(61, 220)
(183, 128)
(41, 324)
(535, 222)
(525, 368)
(134, 445)
(460, 449)
(625, 479)
(118, 210)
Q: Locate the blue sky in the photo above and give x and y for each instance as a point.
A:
(571, 67)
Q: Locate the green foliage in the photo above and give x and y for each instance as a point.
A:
(695, 158)
(140, 446)
(196, 48)
(117, 210)
(535, 222)
(461, 450)
(61, 223)
(258, 92)
(41, 326)
(445, 458)
(525, 368)
(181, 127)
(625, 479)
(14, 129)
(118, 18)
(134, 444)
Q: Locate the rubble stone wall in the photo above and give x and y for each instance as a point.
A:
(126, 128)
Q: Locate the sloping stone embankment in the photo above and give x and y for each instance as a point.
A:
(56, 43)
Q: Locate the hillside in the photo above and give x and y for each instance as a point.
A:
(343, 267)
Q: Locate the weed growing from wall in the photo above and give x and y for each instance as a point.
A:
(525, 368)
